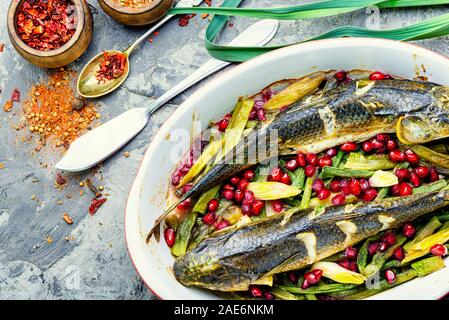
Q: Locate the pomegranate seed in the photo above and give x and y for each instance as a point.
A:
(276, 174)
(354, 187)
(223, 224)
(243, 184)
(408, 230)
(269, 296)
(238, 195)
(175, 179)
(335, 186)
(212, 205)
(223, 124)
(305, 284)
(255, 291)
(292, 165)
(210, 218)
(249, 196)
(277, 205)
(344, 263)
(382, 150)
(397, 155)
(364, 184)
(170, 237)
(411, 157)
(395, 190)
(338, 199)
(376, 76)
(285, 179)
(390, 276)
(341, 75)
(421, 171)
(402, 174)
(248, 175)
(310, 170)
(367, 146)
(312, 159)
(399, 254)
(257, 207)
(235, 181)
(438, 250)
(301, 160)
(186, 188)
(348, 147)
(323, 194)
(353, 266)
(261, 114)
(318, 184)
(313, 276)
(344, 183)
(293, 277)
(228, 194)
(433, 175)
(345, 190)
(383, 246)
(414, 179)
(325, 162)
(246, 209)
(391, 145)
(369, 195)
(332, 152)
(405, 189)
(373, 248)
(351, 252)
(185, 205)
(377, 144)
(253, 114)
(389, 238)
(383, 137)
(228, 186)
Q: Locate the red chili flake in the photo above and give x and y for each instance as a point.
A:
(155, 33)
(45, 24)
(15, 95)
(230, 25)
(208, 2)
(112, 66)
(95, 205)
(184, 20)
(150, 40)
(60, 180)
(2, 47)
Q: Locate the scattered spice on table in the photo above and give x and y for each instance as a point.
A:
(60, 181)
(49, 239)
(67, 218)
(52, 110)
(208, 2)
(15, 97)
(133, 3)
(204, 16)
(2, 47)
(95, 205)
(33, 197)
(126, 154)
(7, 106)
(93, 188)
(45, 24)
(1, 165)
(184, 20)
(112, 66)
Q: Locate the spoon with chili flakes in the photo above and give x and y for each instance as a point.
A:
(108, 70)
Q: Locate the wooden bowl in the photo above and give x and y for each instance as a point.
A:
(64, 55)
(136, 16)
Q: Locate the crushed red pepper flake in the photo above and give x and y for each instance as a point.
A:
(133, 3)
(67, 218)
(112, 66)
(7, 106)
(184, 20)
(95, 205)
(2, 47)
(208, 2)
(15, 95)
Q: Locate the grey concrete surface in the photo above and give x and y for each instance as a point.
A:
(94, 262)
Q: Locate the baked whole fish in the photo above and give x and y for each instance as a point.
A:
(417, 112)
(233, 259)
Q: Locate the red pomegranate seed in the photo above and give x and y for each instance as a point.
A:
(395, 190)
(212, 205)
(411, 157)
(376, 76)
(301, 160)
(318, 184)
(354, 187)
(383, 246)
(285, 179)
(344, 263)
(312, 159)
(408, 230)
(335, 186)
(228, 194)
(185, 205)
(257, 207)
(277, 205)
(223, 224)
(261, 114)
(383, 137)
(313, 276)
(175, 179)
(367, 146)
(389, 238)
(223, 124)
(397, 155)
(369, 195)
(238, 195)
(269, 296)
(235, 181)
(351, 252)
(399, 254)
(243, 184)
(382, 150)
(310, 170)
(228, 186)
(332, 152)
(292, 165)
(338, 199)
(323, 194)
(170, 237)
(348, 147)
(293, 277)
(373, 248)
(344, 183)
(438, 250)
(325, 162)
(377, 144)
(421, 171)
(186, 188)
(249, 196)
(405, 189)
(246, 209)
(391, 145)
(402, 174)
(305, 284)
(276, 174)
(414, 180)
(364, 184)
(255, 291)
(341, 75)
(433, 175)
(390, 276)
(210, 218)
(248, 175)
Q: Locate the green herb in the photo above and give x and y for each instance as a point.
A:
(307, 194)
(428, 266)
(324, 288)
(329, 172)
(183, 234)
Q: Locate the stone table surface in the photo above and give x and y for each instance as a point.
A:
(94, 262)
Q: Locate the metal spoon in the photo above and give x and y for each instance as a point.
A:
(103, 141)
(89, 87)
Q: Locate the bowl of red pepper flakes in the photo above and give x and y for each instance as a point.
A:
(50, 33)
(136, 12)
